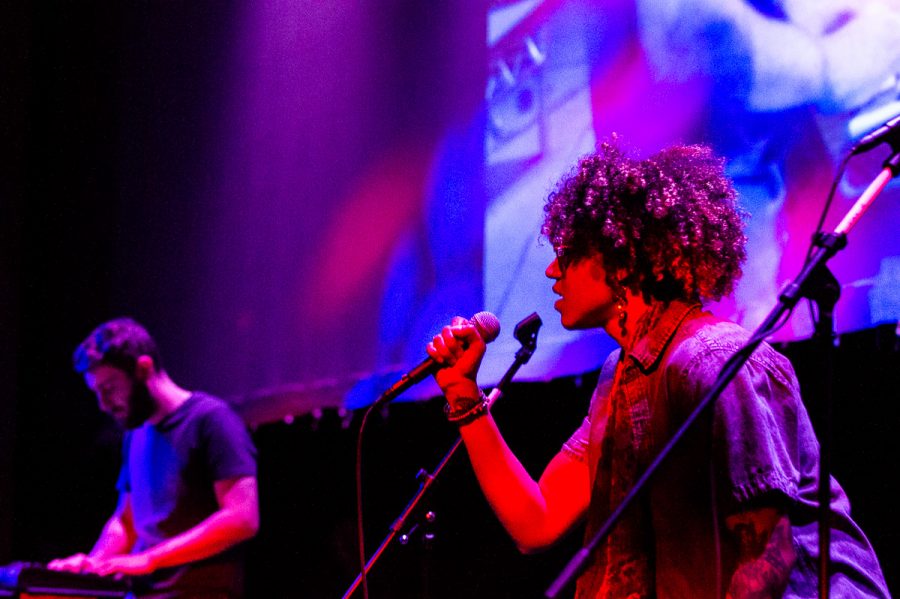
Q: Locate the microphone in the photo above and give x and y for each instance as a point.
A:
(889, 132)
(488, 327)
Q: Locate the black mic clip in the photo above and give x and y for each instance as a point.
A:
(526, 333)
(888, 133)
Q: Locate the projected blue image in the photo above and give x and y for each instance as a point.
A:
(781, 89)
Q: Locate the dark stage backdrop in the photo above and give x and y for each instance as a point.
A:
(13, 65)
(293, 197)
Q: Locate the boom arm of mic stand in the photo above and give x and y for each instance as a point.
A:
(426, 479)
(829, 245)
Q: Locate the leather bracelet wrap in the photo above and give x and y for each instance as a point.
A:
(468, 410)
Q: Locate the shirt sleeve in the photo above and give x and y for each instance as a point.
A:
(576, 445)
(230, 451)
(755, 428)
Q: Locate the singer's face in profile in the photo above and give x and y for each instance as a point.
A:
(585, 301)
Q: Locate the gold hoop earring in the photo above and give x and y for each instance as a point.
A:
(623, 315)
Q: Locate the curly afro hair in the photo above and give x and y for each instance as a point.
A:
(667, 227)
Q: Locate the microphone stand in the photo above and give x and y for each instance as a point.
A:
(824, 293)
(526, 333)
(804, 285)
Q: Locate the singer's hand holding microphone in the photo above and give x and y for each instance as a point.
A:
(458, 350)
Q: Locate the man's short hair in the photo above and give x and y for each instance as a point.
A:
(119, 342)
(667, 227)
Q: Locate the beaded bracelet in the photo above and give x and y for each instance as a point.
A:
(470, 410)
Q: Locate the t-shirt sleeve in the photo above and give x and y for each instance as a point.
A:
(230, 450)
(755, 440)
(576, 446)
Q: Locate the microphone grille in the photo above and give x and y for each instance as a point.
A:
(487, 324)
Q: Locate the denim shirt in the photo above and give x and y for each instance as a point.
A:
(756, 449)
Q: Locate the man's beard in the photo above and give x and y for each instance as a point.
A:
(140, 405)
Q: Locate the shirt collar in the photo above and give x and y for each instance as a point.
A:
(648, 348)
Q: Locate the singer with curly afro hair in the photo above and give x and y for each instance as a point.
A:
(640, 245)
(670, 223)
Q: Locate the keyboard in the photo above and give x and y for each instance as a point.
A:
(34, 580)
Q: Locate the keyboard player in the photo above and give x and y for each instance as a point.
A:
(187, 488)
